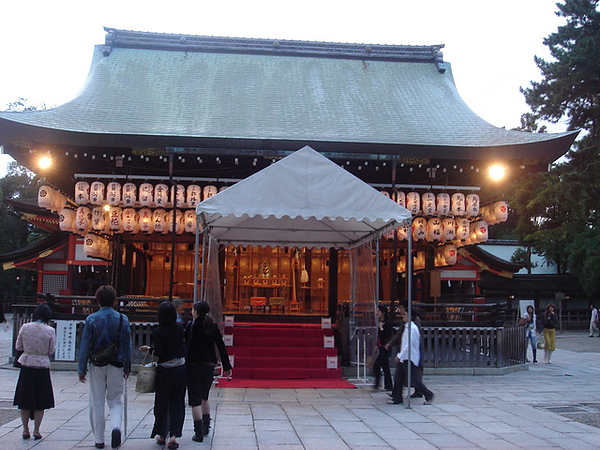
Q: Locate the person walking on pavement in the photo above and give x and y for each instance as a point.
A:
(415, 358)
(384, 334)
(529, 322)
(550, 322)
(106, 346)
(202, 336)
(34, 394)
(594, 321)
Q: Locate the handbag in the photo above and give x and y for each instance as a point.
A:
(370, 362)
(541, 345)
(146, 378)
(18, 354)
(108, 355)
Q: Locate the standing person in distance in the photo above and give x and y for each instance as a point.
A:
(169, 395)
(550, 322)
(384, 334)
(102, 330)
(529, 322)
(594, 321)
(202, 335)
(34, 393)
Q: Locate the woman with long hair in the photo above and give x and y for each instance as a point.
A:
(202, 335)
(34, 392)
(169, 396)
(385, 331)
(529, 322)
(550, 322)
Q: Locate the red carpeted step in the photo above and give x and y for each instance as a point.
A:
(283, 352)
(305, 363)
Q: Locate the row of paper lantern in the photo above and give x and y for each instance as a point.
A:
(126, 220)
(442, 204)
(443, 230)
(96, 246)
(149, 195)
(446, 255)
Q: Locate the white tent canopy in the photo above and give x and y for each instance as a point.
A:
(303, 200)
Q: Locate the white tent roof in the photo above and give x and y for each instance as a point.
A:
(303, 200)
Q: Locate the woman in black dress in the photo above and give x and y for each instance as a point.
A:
(34, 388)
(384, 334)
(202, 335)
(169, 397)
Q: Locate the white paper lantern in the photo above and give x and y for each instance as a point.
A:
(463, 229)
(413, 202)
(115, 217)
(481, 231)
(128, 197)
(403, 231)
(450, 254)
(83, 219)
(428, 200)
(222, 188)
(113, 193)
(66, 220)
(434, 229)
(146, 194)
(178, 221)
(443, 204)
(58, 201)
(472, 207)
(97, 193)
(159, 220)
(448, 229)
(179, 195)
(82, 192)
(385, 193)
(44, 197)
(91, 245)
(161, 195)
(458, 204)
(99, 222)
(400, 198)
(130, 220)
(419, 228)
(501, 211)
(146, 220)
(189, 221)
(194, 195)
(209, 191)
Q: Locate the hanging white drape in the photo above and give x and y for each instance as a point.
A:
(211, 282)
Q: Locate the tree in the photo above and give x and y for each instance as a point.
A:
(558, 211)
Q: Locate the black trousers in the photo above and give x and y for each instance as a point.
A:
(169, 401)
(383, 363)
(400, 379)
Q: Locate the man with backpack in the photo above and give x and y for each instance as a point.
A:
(106, 351)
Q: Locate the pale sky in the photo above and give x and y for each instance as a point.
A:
(46, 46)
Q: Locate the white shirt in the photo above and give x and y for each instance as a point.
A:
(594, 315)
(415, 338)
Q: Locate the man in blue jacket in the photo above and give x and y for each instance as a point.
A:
(106, 346)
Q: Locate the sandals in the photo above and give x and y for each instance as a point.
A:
(36, 435)
(26, 435)
(173, 445)
(160, 440)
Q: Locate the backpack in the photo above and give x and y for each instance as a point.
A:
(109, 354)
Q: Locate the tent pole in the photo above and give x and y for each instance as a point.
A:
(409, 282)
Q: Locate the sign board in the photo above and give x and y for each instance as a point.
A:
(65, 340)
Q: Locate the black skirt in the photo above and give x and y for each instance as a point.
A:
(34, 389)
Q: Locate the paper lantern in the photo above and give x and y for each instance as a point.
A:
(159, 221)
(82, 192)
(434, 229)
(58, 201)
(385, 193)
(178, 221)
(99, 219)
(145, 220)
(45, 199)
(463, 229)
(130, 220)
(428, 202)
(113, 193)
(97, 193)
(443, 204)
(194, 195)
(83, 219)
(189, 221)
(66, 220)
(413, 202)
(128, 196)
(419, 228)
(91, 245)
(501, 211)
(115, 218)
(458, 204)
(448, 229)
(209, 191)
(400, 198)
(403, 231)
(146, 194)
(450, 254)
(161, 195)
(481, 231)
(472, 202)
(222, 188)
(179, 195)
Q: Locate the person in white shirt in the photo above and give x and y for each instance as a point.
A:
(402, 368)
(594, 322)
(529, 322)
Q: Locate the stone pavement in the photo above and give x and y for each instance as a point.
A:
(548, 406)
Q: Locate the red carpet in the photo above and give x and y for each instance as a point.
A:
(310, 383)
